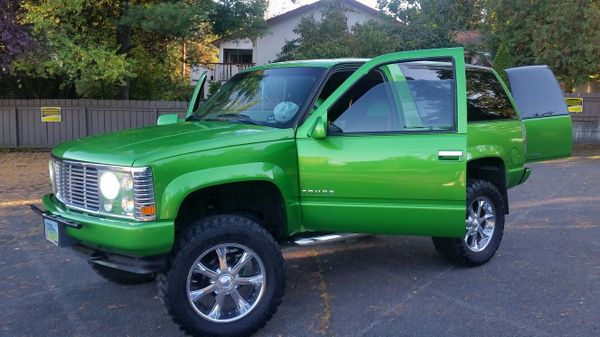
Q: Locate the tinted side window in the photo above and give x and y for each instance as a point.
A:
(486, 99)
(366, 107)
(371, 112)
(399, 97)
(426, 94)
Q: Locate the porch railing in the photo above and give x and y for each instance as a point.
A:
(218, 71)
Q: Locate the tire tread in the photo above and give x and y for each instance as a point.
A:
(454, 249)
(209, 227)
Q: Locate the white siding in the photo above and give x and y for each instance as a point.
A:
(236, 44)
(269, 45)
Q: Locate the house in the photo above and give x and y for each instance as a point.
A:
(238, 54)
(473, 39)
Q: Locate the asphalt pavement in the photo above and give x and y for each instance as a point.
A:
(543, 281)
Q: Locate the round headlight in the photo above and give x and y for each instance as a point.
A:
(127, 183)
(109, 185)
(127, 205)
(108, 206)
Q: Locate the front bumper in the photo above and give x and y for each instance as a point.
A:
(131, 238)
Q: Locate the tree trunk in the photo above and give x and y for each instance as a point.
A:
(183, 52)
(124, 42)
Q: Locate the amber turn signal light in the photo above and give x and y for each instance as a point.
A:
(148, 210)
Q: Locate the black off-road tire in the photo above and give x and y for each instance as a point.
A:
(191, 244)
(456, 249)
(120, 276)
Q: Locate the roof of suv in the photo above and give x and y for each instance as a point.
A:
(327, 63)
(318, 63)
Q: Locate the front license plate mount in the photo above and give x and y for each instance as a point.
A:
(55, 231)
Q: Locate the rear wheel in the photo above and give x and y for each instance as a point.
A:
(484, 227)
(226, 278)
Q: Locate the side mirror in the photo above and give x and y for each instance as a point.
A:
(168, 119)
(319, 130)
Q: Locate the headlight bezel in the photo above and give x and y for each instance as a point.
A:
(141, 198)
(113, 193)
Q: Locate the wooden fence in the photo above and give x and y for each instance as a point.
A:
(21, 123)
(586, 124)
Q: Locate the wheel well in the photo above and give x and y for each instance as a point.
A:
(490, 169)
(258, 200)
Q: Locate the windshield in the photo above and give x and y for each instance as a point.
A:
(273, 97)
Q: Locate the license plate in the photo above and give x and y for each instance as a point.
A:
(51, 231)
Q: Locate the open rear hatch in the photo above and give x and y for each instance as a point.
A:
(544, 112)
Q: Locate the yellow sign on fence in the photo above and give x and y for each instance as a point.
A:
(575, 104)
(51, 114)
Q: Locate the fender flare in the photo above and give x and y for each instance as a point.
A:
(181, 187)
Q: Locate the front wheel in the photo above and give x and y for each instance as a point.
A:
(484, 227)
(226, 278)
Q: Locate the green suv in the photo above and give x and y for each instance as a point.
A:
(409, 143)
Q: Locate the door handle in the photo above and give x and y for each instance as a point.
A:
(450, 155)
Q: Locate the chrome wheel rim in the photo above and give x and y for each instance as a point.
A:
(226, 282)
(481, 219)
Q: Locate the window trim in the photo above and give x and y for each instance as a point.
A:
(318, 88)
(454, 128)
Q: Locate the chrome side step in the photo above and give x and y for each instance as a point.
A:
(322, 239)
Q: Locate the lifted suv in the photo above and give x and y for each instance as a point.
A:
(408, 143)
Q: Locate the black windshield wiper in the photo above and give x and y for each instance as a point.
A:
(238, 118)
(193, 118)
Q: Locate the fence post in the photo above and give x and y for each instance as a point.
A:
(16, 126)
(85, 120)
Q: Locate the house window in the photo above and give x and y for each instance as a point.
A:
(237, 56)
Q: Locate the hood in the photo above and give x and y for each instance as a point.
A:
(142, 146)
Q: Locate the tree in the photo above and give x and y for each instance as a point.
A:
(124, 48)
(503, 60)
(432, 23)
(14, 38)
(563, 35)
(77, 45)
(374, 38)
(331, 38)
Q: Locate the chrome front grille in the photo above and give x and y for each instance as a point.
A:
(77, 185)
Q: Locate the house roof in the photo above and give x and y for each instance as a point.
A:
(307, 8)
(467, 37)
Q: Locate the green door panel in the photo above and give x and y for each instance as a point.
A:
(410, 183)
(389, 184)
(543, 110)
(548, 138)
